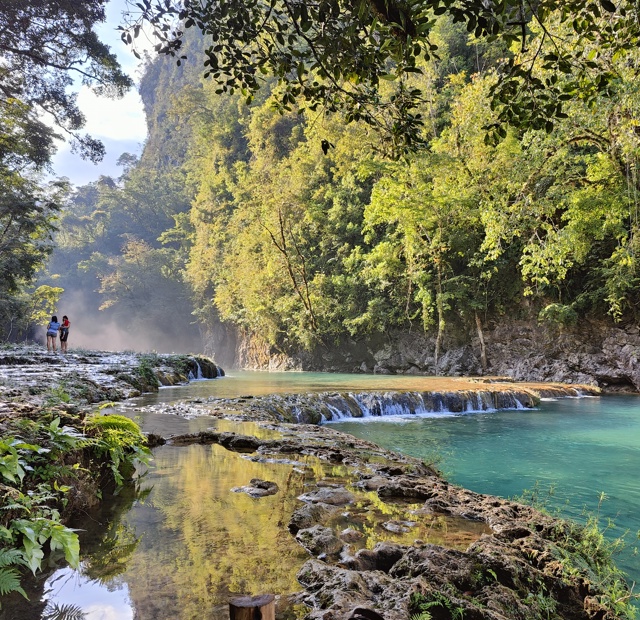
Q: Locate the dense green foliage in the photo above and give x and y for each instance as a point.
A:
(337, 54)
(45, 46)
(296, 228)
(48, 468)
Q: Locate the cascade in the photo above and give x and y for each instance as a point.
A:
(197, 375)
(318, 408)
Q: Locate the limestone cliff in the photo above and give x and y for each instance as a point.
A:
(593, 353)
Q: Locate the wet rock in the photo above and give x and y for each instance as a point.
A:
(398, 526)
(363, 613)
(334, 592)
(311, 514)
(406, 488)
(153, 440)
(90, 377)
(350, 535)
(333, 496)
(258, 488)
(371, 484)
(382, 557)
(319, 541)
(239, 443)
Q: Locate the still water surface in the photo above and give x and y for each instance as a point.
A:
(179, 548)
(574, 448)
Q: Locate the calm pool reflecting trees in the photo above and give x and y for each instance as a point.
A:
(190, 542)
(178, 545)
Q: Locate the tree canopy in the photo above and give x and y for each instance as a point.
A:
(45, 46)
(358, 57)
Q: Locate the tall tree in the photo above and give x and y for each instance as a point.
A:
(48, 44)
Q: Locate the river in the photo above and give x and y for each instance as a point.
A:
(183, 542)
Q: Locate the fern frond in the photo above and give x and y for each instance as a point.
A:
(13, 507)
(10, 582)
(114, 421)
(53, 611)
(9, 557)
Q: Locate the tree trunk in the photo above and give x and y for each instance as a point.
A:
(261, 607)
(483, 346)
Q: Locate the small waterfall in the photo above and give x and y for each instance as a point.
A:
(318, 408)
(377, 404)
(197, 375)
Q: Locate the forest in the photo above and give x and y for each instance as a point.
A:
(302, 226)
(316, 173)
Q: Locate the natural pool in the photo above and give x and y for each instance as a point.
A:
(576, 448)
(182, 544)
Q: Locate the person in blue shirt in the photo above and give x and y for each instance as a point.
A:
(52, 333)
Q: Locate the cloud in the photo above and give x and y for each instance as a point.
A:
(119, 123)
(117, 119)
(81, 172)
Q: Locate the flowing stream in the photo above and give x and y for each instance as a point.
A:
(182, 542)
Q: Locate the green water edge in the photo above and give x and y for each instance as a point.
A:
(578, 446)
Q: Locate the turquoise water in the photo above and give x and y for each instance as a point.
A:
(578, 448)
(153, 558)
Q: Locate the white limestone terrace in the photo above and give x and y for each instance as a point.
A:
(93, 376)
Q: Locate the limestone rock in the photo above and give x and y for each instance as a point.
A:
(326, 495)
(319, 541)
(258, 488)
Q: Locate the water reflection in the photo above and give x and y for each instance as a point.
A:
(93, 599)
(190, 543)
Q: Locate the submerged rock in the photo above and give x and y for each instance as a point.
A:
(258, 488)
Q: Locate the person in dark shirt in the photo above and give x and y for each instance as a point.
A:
(64, 333)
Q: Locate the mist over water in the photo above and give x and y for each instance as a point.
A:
(92, 328)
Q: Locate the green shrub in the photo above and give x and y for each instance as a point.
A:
(121, 440)
(559, 315)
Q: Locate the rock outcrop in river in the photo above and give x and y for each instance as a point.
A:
(507, 560)
(30, 374)
(316, 408)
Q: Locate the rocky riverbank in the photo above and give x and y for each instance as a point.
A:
(595, 353)
(514, 561)
(511, 561)
(31, 377)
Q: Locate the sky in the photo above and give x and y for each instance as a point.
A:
(119, 124)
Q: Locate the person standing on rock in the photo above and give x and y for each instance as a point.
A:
(52, 333)
(64, 333)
